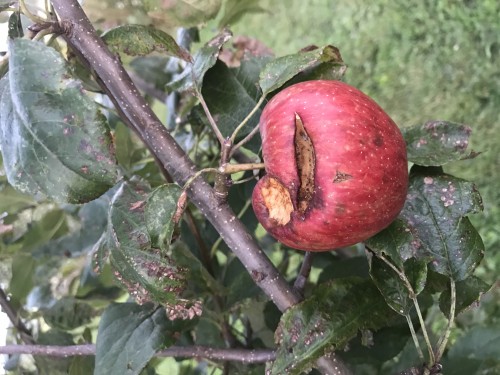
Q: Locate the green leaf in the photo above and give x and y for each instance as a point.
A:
(144, 269)
(231, 94)
(395, 241)
(204, 59)
(54, 142)
(386, 343)
(326, 321)
(153, 69)
(12, 200)
(129, 335)
(68, 313)
(159, 210)
(23, 267)
(90, 222)
(183, 12)
(83, 365)
(394, 290)
(279, 71)
(479, 342)
(238, 283)
(141, 40)
(476, 352)
(436, 142)
(435, 214)
(234, 10)
(433, 225)
(15, 26)
(468, 291)
(198, 278)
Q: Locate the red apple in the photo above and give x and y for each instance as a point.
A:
(336, 166)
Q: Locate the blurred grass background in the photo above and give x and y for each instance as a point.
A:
(420, 60)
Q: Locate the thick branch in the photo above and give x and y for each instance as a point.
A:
(81, 36)
(237, 355)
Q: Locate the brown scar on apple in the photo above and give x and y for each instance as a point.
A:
(305, 157)
(277, 200)
(341, 177)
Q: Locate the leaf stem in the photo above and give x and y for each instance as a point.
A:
(415, 338)
(424, 330)
(247, 118)
(413, 297)
(444, 339)
(210, 118)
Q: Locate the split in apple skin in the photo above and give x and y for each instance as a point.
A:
(336, 167)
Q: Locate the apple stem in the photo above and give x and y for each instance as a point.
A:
(305, 269)
(235, 168)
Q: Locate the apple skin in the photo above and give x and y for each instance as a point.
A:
(360, 171)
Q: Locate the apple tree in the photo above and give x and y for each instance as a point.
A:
(129, 241)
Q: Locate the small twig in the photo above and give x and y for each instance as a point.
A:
(239, 355)
(247, 138)
(198, 174)
(244, 180)
(211, 120)
(247, 118)
(305, 269)
(13, 316)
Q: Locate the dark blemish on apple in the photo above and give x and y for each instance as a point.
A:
(305, 158)
(277, 200)
(378, 141)
(339, 208)
(341, 177)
